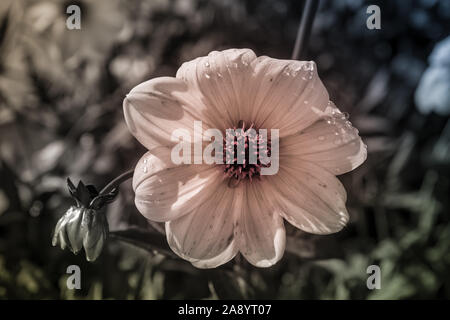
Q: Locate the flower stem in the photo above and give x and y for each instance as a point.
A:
(117, 181)
(304, 29)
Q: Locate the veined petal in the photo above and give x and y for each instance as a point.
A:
(205, 235)
(155, 108)
(221, 81)
(165, 191)
(260, 230)
(287, 95)
(308, 196)
(331, 142)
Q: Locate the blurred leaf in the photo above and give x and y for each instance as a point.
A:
(228, 285)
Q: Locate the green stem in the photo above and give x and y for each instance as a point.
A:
(117, 181)
(304, 29)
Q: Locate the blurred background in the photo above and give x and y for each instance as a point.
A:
(61, 94)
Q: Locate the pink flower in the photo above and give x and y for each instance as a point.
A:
(210, 216)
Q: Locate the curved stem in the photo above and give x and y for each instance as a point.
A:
(304, 29)
(117, 181)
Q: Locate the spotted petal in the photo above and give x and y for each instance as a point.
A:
(205, 235)
(332, 143)
(260, 229)
(156, 108)
(307, 196)
(165, 191)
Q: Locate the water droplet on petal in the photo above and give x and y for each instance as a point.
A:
(207, 76)
(308, 66)
(329, 119)
(207, 64)
(145, 170)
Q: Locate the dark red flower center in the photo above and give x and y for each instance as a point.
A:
(243, 152)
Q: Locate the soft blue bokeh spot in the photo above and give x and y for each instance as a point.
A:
(433, 92)
(441, 53)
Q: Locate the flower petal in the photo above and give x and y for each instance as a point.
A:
(74, 229)
(205, 235)
(308, 196)
(332, 143)
(165, 191)
(221, 81)
(260, 230)
(155, 108)
(288, 94)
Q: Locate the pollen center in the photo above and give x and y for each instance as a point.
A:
(245, 152)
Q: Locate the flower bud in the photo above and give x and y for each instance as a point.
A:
(84, 225)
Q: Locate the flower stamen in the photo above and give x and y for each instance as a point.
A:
(251, 146)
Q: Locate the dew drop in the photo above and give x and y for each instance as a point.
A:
(207, 64)
(308, 66)
(329, 120)
(145, 169)
(207, 76)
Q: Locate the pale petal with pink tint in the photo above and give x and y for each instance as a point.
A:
(309, 197)
(155, 108)
(260, 230)
(205, 235)
(165, 191)
(287, 95)
(220, 81)
(332, 143)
